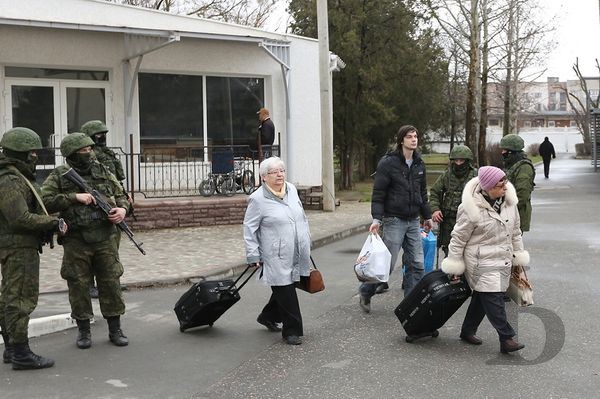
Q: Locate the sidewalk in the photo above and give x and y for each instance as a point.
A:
(175, 255)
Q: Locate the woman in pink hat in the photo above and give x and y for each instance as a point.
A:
(486, 242)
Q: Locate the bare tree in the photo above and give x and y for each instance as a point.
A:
(244, 12)
(581, 106)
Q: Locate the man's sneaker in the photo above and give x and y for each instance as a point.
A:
(471, 339)
(365, 303)
(381, 288)
(510, 345)
(293, 340)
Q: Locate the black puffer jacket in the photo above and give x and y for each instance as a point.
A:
(399, 191)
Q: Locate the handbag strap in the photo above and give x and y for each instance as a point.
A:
(313, 262)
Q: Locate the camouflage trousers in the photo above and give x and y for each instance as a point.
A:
(81, 263)
(19, 291)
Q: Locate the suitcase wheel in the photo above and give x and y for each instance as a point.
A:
(210, 324)
(409, 339)
(181, 329)
(435, 334)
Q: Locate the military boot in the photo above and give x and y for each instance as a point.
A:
(8, 349)
(24, 359)
(115, 334)
(84, 336)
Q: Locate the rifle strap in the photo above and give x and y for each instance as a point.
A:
(33, 190)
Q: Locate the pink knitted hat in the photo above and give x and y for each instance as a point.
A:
(489, 176)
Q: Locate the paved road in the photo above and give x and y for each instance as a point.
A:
(349, 354)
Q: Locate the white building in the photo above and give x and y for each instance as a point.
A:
(170, 81)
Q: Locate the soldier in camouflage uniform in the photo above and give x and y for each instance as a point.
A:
(23, 226)
(446, 193)
(90, 247)
(97, 131)
(521, 173)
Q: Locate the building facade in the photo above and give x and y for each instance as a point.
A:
(178, 83)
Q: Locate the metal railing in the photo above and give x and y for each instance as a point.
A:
(171, 172)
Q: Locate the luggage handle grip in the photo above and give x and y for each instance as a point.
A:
(235, 290)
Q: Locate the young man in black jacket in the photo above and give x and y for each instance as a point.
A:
(398, 201)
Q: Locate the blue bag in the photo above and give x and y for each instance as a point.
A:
(429, 241)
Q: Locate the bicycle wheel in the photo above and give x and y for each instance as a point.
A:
(248, 184)
(207, 187)
(227, 187)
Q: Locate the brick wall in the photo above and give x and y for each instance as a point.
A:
(188, 212)
(199, 211)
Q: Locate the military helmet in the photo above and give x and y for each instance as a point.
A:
(21, 139)
(93, 127)
(461, 152)
(512, 142)
(73, 143)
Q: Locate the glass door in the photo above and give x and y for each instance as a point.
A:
(34, 104)
(54, 108)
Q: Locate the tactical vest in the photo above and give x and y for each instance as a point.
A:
(85, 221)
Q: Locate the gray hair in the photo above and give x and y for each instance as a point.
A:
(270, 163)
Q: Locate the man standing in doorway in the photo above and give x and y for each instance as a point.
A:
(399, 199)
(266, 134)
(546, 151)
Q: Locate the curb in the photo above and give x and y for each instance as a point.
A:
(51, 324)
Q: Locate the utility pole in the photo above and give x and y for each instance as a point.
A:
(326, 108)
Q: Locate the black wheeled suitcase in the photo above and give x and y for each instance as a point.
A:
(430, 304)
(206, 301)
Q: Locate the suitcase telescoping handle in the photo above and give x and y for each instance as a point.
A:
(235, 290)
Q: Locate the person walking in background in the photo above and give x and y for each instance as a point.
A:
(23, 226)
(90, 248)
(277, 237)
(399, 198)
(266, 134)
(446, 193)
(521, 173)
(546, 151)
(97, 131)
(486, 242)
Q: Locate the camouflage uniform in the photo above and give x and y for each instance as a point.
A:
(90, 246)
(521, 173)
(23, 226)
(446, 193)
(104, 155)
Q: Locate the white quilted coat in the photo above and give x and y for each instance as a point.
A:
(485, 244)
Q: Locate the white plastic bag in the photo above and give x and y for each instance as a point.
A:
(373, 263)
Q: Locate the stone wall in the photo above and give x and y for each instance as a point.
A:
(188, 212)
(164, 213)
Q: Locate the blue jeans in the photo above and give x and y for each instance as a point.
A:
(406, 234)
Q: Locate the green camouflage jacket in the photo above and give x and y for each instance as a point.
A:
(23, 223)
(87, 222)
(445, 195)
(110, 160)
(522, 174)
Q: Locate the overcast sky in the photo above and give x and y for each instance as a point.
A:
(577, 34)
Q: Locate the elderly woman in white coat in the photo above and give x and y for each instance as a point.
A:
(486, 242)
(277, 237)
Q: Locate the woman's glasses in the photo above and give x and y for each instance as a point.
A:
(501, 184)
(276, 171)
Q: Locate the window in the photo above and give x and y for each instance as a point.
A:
(527, 123)
(572, 124)
(170, 109)
(551, 124)
(172, 113)
(48, 73)
(232, 106)
(494, 122)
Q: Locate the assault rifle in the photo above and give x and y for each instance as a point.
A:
(102, 203)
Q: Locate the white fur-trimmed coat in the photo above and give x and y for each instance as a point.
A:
(485, 244)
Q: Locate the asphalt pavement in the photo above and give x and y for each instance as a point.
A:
(346, 353)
